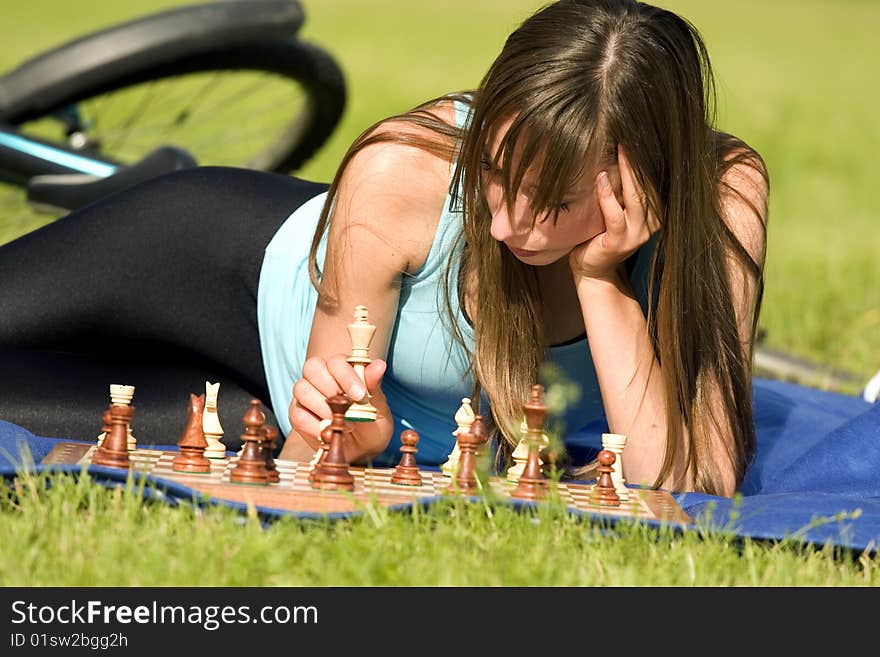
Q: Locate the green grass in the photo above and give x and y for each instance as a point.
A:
(792, 81)
(78, 534)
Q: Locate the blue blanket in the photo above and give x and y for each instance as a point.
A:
(816, 477)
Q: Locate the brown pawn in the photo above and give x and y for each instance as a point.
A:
(407, 472)
(113, 451)
(466, 479)
(532, 483)
(332, 473)
(192, 443)
(251, 465)
(604, 492)
(270, 435)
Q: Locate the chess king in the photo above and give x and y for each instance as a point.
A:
(361, 333)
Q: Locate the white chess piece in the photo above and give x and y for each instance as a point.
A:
(122, 395)
(615, 442)
(211, 423)
(521, 452)
(323, 424)
(361, 333)
(464, 419)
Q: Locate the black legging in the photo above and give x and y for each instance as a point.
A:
(154, 287)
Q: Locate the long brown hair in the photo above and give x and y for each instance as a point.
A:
(578, 78)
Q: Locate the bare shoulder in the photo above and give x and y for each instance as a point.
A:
(744, 193)
(394, 188)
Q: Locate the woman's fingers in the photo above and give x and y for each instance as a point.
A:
(615, 219)
(639, 215)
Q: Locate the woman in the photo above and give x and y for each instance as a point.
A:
(578, 208)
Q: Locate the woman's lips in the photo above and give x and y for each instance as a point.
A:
(523, 253)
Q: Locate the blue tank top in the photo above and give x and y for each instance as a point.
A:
(426, 377)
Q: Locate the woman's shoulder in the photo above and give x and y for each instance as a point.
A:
(744, 188)
(396, 186)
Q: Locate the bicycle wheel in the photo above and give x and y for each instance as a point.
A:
(263, 105)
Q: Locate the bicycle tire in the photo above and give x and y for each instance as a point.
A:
(96, 59)
(309, 67)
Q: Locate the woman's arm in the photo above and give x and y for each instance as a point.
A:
(630, 378)
(385, 214)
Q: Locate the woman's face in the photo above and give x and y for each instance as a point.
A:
(538, 240)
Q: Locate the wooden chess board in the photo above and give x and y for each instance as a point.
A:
(372, 485)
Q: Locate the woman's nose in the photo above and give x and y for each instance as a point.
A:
(509, 222)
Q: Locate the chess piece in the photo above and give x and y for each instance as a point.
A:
(113, 451)
(520, 453)
(332, 473)
(250, 468)
(407, 472)
(211, 423)
(324, 438)
(466, 479)
(464, 418)
(604, 492)
(478, 428)
(192, 443)
(615, 442)
(270, 436)
(122, 395)
(532, 484)
(361, 333)
(105, 426)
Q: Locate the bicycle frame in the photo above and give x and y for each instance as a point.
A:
(22, 157)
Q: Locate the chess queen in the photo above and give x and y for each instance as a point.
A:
(578, 208)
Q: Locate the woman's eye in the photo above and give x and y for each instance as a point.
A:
(485, 164)
(563, 206)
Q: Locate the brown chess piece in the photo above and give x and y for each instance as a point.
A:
(270, 435)
(605, 493)
(113, 451)
(251, 465)
(332, 473)
(106, 425)
(532, 483)
(478, 428)
(466, 478)
(407, 472)
(193, 443)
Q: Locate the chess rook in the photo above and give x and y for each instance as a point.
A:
(122, 395)
(361, 333)
(615, 442)
(113, 451)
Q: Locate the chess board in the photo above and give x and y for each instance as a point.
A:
(372, 485)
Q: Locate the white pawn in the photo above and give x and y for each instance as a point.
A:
(615, 442)
(323, 424)
(521, 452)
(464, 419)
(122, 395)
(211, 423)
(361, 333)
